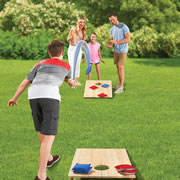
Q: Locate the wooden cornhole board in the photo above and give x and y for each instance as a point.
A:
(90, 93)
(96, 157)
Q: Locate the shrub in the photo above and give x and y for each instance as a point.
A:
(103, 36)
(7, 44)
(132, 47)
(25, 18)
(176, 38)
(33, 46)
(166, 45)
(148, 43)
(144, 43)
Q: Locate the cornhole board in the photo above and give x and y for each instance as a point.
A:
(96, 157)
(90, 93)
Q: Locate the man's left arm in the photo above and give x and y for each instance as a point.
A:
(70, 82)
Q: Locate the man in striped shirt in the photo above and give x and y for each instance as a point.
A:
(46, 77)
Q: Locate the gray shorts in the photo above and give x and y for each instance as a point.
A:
(45, 112)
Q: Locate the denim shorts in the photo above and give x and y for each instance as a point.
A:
(45, 112)
(94, 63)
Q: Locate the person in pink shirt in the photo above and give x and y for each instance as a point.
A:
(94, 48)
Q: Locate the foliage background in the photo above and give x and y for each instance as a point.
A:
(154, 25)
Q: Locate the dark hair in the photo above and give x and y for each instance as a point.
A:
(55, 47)
(111, 14)
(94, 34)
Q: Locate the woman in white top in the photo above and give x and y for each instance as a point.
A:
(75, 35)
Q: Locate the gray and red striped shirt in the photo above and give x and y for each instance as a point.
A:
(46, 77)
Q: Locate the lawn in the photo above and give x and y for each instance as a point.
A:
(144, 120)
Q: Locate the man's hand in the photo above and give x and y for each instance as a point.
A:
(12, 102)
(113, 41)
(110, 44)
(24, 84)
(70, 82)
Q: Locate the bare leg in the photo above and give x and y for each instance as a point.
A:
(98, 71)
(45, 149)
(77, 79)
(77, 72)
(121, 74)
(89, 76)
(41, 139)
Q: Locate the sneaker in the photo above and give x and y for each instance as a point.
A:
(116, 86)
(55, 159)
(37, 178)
(119, 90)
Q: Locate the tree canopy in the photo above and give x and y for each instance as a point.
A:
(161, 15)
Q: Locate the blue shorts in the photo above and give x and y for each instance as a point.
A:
(95, 63)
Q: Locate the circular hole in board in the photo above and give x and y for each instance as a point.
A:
(98, 84)
(101, 167)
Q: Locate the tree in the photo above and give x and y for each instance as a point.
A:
(2, 4)
(97, 10)
(135, 13)
(177, 3)
(160, 15)
(24, 18)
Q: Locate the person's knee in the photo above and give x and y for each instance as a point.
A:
(47, 138)
(97, 66)
(120, 66)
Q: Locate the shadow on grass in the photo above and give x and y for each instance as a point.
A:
(172, 62)
(114, 89)
(138, 175)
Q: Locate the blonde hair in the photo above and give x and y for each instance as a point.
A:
(83, 29)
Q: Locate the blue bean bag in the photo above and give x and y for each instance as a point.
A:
(82, 168)
(105, 85)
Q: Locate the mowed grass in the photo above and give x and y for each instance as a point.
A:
(144, 120)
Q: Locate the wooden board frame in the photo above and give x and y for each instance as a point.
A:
(90, 93)
(96, 157)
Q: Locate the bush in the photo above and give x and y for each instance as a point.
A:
(176, 38)
(90, 30)
(26, 19)
(34, 46)
(144, 43)
(103, 36)
(166, 45)
(148, 43)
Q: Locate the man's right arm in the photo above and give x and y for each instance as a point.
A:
(24, 84)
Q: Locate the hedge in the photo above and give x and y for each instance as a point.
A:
(144, 43)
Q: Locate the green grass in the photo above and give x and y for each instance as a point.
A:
(144, 120)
